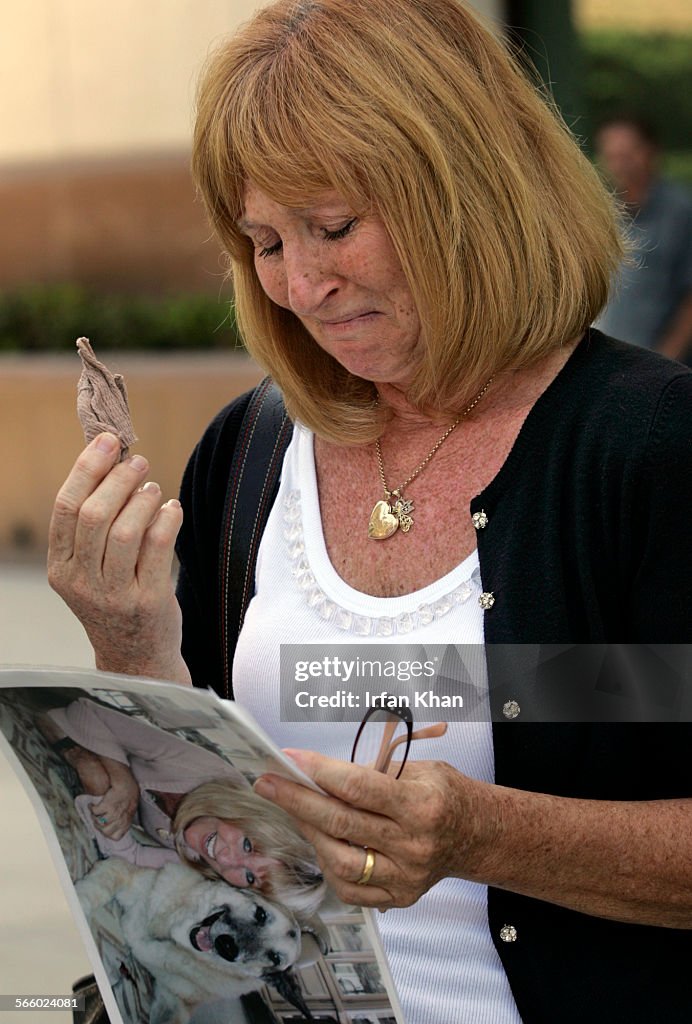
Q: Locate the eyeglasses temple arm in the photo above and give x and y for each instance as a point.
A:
(427, 732)
(384, 755)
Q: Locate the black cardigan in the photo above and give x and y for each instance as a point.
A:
(587, 541)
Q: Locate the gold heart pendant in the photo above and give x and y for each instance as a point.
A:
(382, 522)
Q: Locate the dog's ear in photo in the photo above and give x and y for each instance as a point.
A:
(315, 941)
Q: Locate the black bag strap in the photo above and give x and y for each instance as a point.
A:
(253, 482)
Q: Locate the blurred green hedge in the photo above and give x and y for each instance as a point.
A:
(645, 74)
(49, 318)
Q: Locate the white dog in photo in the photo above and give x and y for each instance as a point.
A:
(199, 939)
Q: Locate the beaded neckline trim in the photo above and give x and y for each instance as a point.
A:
(350, 621)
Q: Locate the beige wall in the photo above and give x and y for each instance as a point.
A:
(116, 225)
(85, 78)
(637, 15)
(491, 8)
(89, 78)
(96, 109)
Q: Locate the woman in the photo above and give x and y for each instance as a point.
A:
(219, 830)
(135, 774)
(418, 248)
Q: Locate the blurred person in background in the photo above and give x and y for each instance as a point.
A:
(651, 304)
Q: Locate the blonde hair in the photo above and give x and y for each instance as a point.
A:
(298, 883)
(413, 110)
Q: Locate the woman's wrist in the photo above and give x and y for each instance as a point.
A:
(480, 842)
(171, 669)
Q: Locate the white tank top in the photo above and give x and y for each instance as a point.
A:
(443, 961)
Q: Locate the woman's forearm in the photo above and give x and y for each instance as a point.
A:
(630, 861)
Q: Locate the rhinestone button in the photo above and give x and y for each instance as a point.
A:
(486, 601)
(510, 709)
(508, 933)
(480, 519)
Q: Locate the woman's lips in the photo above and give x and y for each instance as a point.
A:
(344, 323)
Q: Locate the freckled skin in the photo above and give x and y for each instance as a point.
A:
(323, 280)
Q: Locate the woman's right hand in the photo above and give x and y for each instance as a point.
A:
(110, 554)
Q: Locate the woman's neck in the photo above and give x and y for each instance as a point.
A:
(406, 415)
(511, 389)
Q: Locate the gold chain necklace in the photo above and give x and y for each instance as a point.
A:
(394, 511)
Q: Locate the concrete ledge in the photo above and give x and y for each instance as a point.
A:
(172, 398)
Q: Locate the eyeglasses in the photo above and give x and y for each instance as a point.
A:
(386, 731)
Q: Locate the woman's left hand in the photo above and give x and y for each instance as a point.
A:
(114, 813)
(421, 827)
(623, 860)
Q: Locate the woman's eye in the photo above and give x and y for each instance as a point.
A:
(270, 250)
(334, 236)
(247, 845)
(330, 236)
(249, 878)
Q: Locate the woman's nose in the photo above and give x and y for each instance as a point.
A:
(222, 853)
(310, 281)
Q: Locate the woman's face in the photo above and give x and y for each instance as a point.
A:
(339, 274)
(226, 849)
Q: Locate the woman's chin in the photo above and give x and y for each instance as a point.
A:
(368, 363)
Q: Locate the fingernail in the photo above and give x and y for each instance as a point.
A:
(265, 788)
(150, 485)
(139, 463)
(107, 443)
(172, 503)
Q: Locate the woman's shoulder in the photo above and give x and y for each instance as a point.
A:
(623, 386)
(226, 423)
(614, 406)
(619, 363)
(259, 409)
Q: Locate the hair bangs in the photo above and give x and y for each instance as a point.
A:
(269, 122)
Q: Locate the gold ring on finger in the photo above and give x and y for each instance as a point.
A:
(368, 867)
